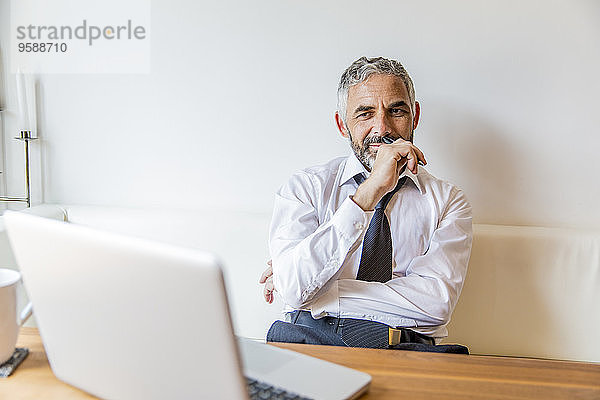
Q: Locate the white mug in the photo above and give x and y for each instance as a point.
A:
(9, 323)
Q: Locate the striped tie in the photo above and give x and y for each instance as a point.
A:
(376, 258)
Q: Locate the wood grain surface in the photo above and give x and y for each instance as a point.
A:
(416, 375)
(396, 375)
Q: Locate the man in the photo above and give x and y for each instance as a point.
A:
(369, 250)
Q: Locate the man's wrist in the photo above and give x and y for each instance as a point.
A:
(367, 197)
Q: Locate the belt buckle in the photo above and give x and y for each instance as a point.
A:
(394, 336)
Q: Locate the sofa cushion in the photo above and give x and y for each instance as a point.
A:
(531, 291)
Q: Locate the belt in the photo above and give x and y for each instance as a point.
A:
(361, 333)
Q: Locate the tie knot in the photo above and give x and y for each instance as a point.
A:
(359, 178)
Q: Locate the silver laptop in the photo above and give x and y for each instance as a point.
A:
(126, 318)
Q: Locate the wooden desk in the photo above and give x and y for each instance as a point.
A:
(396, 375)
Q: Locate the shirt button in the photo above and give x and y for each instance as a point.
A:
(359, 225)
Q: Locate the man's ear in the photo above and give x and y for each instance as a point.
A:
(417, 115)
(341, 125)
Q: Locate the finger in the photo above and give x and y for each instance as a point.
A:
(411, 162)
(268, 291)
(420, 155)
(405, 148)
(400, 140)
(271, 290)
(400, 166)
(266, 274)
(269, 285)
(268, 294)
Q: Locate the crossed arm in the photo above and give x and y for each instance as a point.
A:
(425, 296)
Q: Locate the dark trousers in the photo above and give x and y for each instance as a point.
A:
(303, 328)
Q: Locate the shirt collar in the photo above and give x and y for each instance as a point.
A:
(353, 167)
(414, 178)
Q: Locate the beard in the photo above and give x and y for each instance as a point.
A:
(363, 152)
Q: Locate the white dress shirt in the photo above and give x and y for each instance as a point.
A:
(316, 239)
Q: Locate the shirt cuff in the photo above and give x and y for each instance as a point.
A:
(351, 218)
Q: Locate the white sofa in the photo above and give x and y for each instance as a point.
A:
(530, 291)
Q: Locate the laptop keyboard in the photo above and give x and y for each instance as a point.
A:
(263, 391)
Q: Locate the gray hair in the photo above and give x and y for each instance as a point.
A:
(361, 69)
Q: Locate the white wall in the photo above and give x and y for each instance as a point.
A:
(241, 94)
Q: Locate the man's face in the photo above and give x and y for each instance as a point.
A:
(377, 107)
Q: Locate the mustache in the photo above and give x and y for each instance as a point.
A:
(371, 140)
